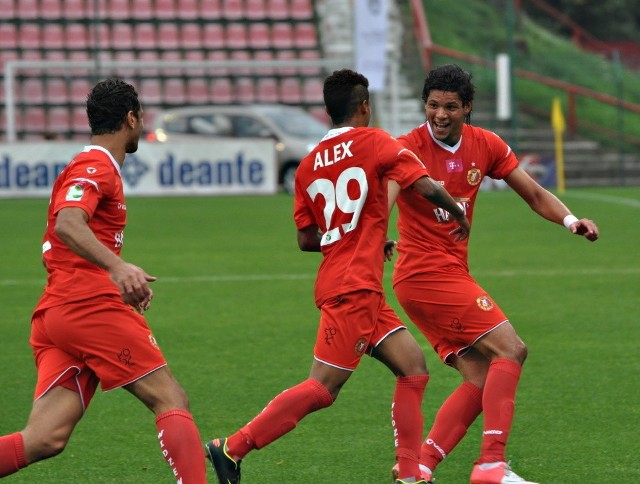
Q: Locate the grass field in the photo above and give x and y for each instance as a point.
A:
(235, 317)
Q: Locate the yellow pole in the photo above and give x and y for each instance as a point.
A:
(558, 125)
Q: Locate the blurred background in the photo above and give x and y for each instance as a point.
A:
(524, 54)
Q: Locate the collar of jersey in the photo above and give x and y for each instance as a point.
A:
(444, 146)
(336, 132)
(105, 151)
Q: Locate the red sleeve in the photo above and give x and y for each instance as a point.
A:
(505, 160)
(400, 163)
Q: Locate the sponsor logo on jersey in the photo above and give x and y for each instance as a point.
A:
(454, 166)
(484, 303)
(75, 193)
(360, 347)
(474, 176)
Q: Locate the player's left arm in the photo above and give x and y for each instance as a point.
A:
(547, 205)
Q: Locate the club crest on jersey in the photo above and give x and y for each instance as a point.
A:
(75, 193)
(474, 176)
(360, 347)
(484, 303)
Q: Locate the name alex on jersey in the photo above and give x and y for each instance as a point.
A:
(333, 155)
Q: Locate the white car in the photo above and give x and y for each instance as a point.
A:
(295, 131)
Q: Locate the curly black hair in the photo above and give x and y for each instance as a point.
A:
(343, 92)
(449, 78)
(108, 104)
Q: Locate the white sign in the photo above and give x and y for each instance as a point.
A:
(370, 41)
(177, 168)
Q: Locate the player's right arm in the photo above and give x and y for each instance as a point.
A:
(72, 226)
(309, 238)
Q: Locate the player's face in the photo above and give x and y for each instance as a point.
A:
(136, 132)
(445, 114)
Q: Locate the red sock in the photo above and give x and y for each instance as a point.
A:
(407, 421)
(453, 419)
(498, 401)
(280, 416)
(12, 457)
(181, 446)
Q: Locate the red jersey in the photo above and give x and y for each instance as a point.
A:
(93, 183)
(341, 187)
(424, 241)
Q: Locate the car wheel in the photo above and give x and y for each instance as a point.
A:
(289, 177)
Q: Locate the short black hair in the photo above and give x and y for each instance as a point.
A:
(449, 78)
(108, 104)
(343, 92)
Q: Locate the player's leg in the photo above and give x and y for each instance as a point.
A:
(178, 435)
(400, 352)
(51, 422)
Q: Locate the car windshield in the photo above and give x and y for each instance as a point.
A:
(298, 123)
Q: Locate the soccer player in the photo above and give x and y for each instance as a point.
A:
(340, 209)
(88, 326)
(432, 282)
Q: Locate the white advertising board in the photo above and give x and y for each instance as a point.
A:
(28, 170)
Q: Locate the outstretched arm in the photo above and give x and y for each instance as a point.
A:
(547, 205)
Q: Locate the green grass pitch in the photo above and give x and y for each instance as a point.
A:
(234, 314)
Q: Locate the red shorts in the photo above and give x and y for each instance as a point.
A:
(99, 339)
(351, 325)
(450, 309)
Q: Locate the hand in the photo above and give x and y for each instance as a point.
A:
(132, 281)
(389, 246)
(463, 230)
(586, 228)
(145, 304)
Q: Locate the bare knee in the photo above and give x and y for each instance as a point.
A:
(39, 445)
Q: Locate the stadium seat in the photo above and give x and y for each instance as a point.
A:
(79, 121)
(290, 90)
(32, 91)
(8, 36)
(142, 9)
(144, 35)
(125, 56)
(282, 35)
(312, 91)
(236, 36)
(169, 56)
(78, 91)
(320, 114)
(7, 10)
(52, 36)
(118, 9)
(267, 90)
(187, 10)
(150, 92)
(35, 121)
(31, 55)
(278, 9)
(74, 9)
(232, 9)
(221, 91)
(245, 90)
(305, 36)
(58, 121)
(287, 55)
(51, 9)
(213, 36)
(165, 9)
(29, 36)
(121, 36)
(311, 55)
(210, 9)
(149, 55)
(27, 9)
(198, 57)
(56, 91)
(301, 9)
(241, 55)
(75, 36)
(197, 91)
(100, 35)
(190, 36)
(174, 91)
(260, 56)
(168, 37)
(216, 56)
(259, 35)
(255, 9)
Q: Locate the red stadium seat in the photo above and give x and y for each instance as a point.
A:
(74, 9)
(51, 9)
(187, 10)
(216, 56)
(125, 56)
(241, 55)
(149, 55)
(290, 90)
(197, 91)
(27, 9)
(100, 35)
(52, 36)
(190, 36)
(32, 91)
(58, 120)
(232, 9)
(165, 9)
(305, 36)
(236, 36)
(35, 121)
(169, 56)
(78, 91)
(310, 55)
(221, 91)
(145, 35)
(320, 113)
(213, 36)
(255, 9)
(267, 90)
(150, 92)
(196, 56)
(245, 90)
(301, 9)
(8, 36)
(56, 91)
(287, 55)
(259, 35)
(121, 36)
(278, 9)
(210, 9)
(142, 9)
(118, 9)
(29, 36)
(264, 55)
(174, 91)
(75, 36)
(168, 37)
(282, 35)
(79, 121)
(7, 10)
(312, 91)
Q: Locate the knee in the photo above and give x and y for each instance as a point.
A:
(39, 446)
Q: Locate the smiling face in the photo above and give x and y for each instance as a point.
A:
(446, 114)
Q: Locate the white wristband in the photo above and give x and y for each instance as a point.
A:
(569, 219)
